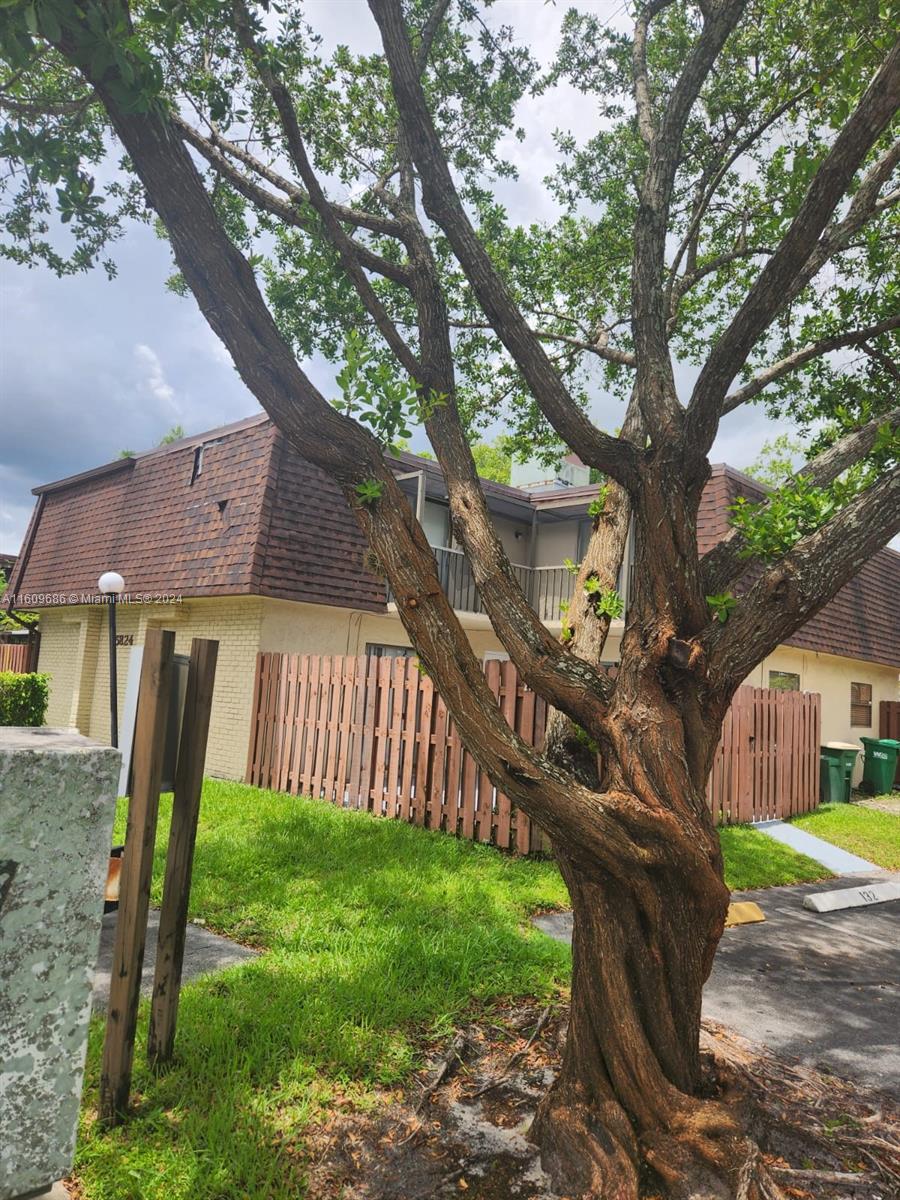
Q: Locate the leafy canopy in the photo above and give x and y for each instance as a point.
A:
(784, 83)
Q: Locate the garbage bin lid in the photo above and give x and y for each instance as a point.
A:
(841, 746)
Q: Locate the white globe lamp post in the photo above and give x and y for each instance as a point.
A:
(112, 585)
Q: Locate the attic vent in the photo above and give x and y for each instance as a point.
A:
(222, 505)
(198, 463)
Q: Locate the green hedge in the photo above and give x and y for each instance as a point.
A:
(23, 698)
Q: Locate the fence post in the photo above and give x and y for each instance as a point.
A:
(180, 857)
(137, 870)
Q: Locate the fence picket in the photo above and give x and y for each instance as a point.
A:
(436, 791)
(253, 773)
(889, 726)
(348, 698)
(303, 688)
(268, 731)
(395, 735)
(18, 657)
(486, 796)
(525, 728)
(451, 793)
(508, 683)
(382, 726)
(423, 742)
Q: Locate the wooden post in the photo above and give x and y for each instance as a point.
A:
(180, 857)
(137, 870)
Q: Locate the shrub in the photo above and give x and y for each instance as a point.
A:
(23, 698)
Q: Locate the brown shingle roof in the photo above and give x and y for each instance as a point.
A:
(150, 519)
(314, 549)
(861, 621)
(260, 520)
(256, 519)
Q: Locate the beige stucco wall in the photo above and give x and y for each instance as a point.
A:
(61, 660)
(515, 537)
(831, 676)
(292, 628)
(556, 543)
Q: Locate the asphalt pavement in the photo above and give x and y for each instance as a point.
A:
(823, 988)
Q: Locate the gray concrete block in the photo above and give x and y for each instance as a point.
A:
(855, 897)
(57, 803)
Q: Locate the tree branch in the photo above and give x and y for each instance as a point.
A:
(792, 362)
(568, 683)
(768, 294)
(623, 358)
(655, 382)
(691, 278)
(278, 207)
(866, 204)
(608, 832)
(794, 589)
(642, 102)
(884, 360)
(708, 185)
(359, 218)
(724, 563)
(543, 661)
(429, 31)
(335, 231)
(443, 205)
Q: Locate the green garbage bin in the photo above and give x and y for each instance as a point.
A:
(879, 765)
(836, 763)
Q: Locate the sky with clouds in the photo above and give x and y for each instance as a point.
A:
(89, 367)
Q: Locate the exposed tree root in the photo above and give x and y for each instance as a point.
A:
(703, 1154)
(587, 1147)
(470, 1139)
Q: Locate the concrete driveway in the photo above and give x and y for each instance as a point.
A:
(822, 988)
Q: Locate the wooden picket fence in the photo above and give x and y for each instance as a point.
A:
(372, 734)
(766, 765)
(19, 657)
(889, 726)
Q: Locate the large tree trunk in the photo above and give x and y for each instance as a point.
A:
(627, 1106)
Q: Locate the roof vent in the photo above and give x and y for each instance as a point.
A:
(198, 464)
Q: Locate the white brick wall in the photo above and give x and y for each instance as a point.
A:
(75, 653)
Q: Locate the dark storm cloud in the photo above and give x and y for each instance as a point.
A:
(90, 367)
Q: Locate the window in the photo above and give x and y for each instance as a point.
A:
(374, 650)
(436, 524)
(861, 704)
(784, 681)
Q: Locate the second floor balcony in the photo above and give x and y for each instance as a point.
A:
(540, 533)
(546, 588)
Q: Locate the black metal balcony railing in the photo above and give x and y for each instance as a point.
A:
(546, 587)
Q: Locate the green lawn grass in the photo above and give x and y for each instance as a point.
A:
(753, 860)
(377, 936)
(864, 831)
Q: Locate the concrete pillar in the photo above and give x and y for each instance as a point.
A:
(57, 803)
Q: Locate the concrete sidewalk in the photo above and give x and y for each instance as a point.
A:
(204, 952)
(824, 988)
(841, 862)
